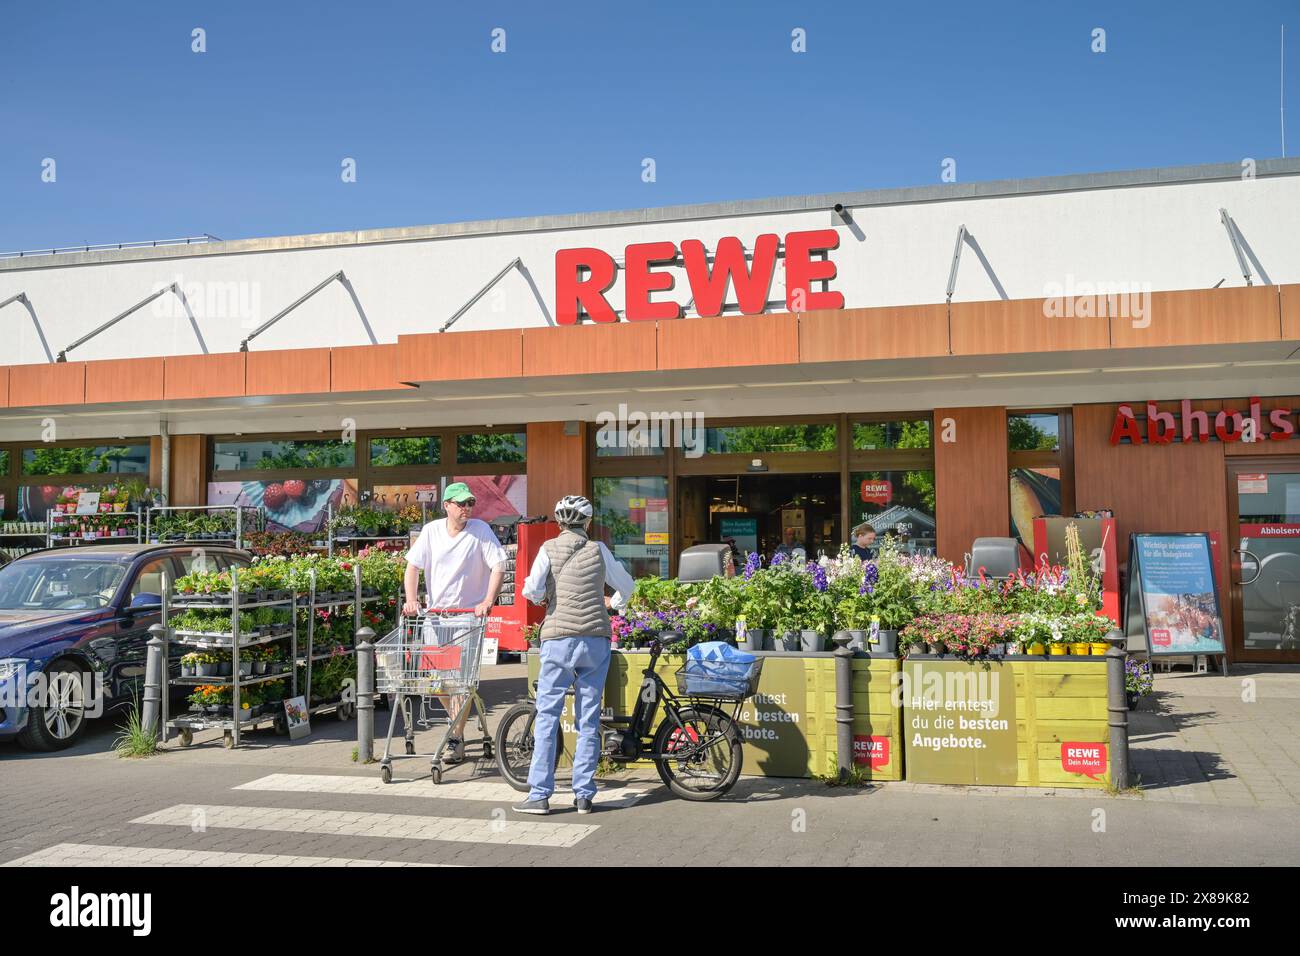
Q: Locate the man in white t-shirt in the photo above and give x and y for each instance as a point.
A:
(463, 564)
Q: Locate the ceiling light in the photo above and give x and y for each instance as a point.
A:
(1264, 364)
(585, 391)
(1166, 368)
(683, 388)
(1059, 371)
(911, 378)
(829, 381)
(477, 398)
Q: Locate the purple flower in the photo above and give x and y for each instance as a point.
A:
(819, 577)
(779, 558)
(870, 576)
(752, 564)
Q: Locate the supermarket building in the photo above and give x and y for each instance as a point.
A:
(944, 362)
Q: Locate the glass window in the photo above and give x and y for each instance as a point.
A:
(878, 436)
(4, 463)
(897, 503)
(392, 450)
(632, 519)
(481, 447)
(1034, 432)
(768, 439)
(1035, 492)
(148, 587)
(59, 583)
(87, 460)
(273, 454)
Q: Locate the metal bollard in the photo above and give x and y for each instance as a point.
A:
(365, 695)
(843, 704)
(155, 661)
(1117, 708)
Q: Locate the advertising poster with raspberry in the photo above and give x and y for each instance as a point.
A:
(295, 504)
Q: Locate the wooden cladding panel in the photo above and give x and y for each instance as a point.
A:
(288, 372)
(1025, 325)
(557, 465)
(188, 470)
(729, 341)
(204, 376)
(1290, 306)
(364, 368)
(452, 356)
(124, 380)
(972, 479)
(1202, 317)
(55, 383)
(865, 334)
(564, 350)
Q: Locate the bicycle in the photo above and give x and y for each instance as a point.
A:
(696, 748)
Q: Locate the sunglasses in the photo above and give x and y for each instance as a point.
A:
(468, 503)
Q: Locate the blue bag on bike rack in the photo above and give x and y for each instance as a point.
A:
(716, 669)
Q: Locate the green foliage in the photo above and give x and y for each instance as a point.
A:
(769, 439)
(135, 740)
(390, 452)
(76, 460)
(484, 447)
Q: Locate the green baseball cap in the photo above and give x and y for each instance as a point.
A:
(457, 491)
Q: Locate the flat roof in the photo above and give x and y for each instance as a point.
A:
(946, 192)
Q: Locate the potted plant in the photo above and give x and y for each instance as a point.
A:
(758, 605)
(207, 665)
(1138, 681)
(189, 665)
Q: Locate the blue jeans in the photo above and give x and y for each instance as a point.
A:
(580, 662)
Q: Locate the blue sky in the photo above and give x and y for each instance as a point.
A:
(152, 140)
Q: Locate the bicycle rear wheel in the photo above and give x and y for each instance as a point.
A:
(703, 753)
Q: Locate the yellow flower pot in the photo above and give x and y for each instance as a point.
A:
(1039, 650)
(1057, 650)
(1080, 649)
(1099, 648)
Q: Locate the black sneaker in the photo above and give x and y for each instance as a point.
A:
(583, 805)
(538, 807)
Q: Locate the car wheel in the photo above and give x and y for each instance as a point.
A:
(60, 720)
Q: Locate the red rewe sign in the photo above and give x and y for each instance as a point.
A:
(877, 492)
(872, 751)
(1088, 759)
(576, 292)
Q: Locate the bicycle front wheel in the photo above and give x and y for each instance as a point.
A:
(514, 745)
(700, 757)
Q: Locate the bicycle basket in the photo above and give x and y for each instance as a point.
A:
(726, 680)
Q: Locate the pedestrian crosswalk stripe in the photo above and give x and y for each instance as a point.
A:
(492, 791)
(388, 825)
(89, 854)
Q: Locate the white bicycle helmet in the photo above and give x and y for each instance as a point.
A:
(572, 510)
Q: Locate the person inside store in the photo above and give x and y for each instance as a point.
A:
(864, 542)
(790, 544)
(569, 577)
(463, 565)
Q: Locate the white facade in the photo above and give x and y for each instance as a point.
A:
(1154, 230)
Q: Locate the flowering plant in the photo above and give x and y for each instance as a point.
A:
(1137, 677)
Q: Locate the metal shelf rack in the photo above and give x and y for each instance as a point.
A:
(247, 518)
(235, 641)
(55, 518)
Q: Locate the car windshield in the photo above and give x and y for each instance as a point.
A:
(59, 584)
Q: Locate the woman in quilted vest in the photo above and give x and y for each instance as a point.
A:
(569, 577)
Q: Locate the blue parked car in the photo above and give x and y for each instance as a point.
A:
(74, 623)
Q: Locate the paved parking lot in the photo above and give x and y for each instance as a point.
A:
(307, 803)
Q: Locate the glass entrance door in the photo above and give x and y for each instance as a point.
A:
(1266, 559)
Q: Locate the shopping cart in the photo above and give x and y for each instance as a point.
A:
(432, 657)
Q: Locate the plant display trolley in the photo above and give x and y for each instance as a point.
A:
(65, 529)
(325, 607)
(230, 630)
(19, 537)
(226, 523)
